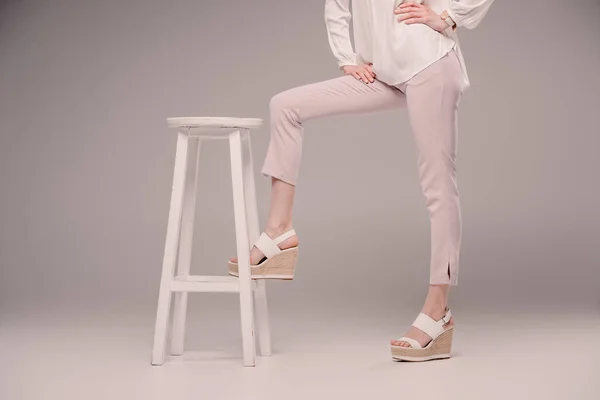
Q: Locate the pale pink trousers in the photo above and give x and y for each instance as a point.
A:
(431, 98)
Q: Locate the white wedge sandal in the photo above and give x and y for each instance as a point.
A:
(277, 263)
(438, 348)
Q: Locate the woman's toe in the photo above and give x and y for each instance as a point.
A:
(400, 343)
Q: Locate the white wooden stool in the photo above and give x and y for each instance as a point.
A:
(180, 227)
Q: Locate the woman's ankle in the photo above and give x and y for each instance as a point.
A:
(436, 302)
(276, 229)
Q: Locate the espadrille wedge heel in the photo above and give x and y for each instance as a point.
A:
(438, 348)
(277, 263)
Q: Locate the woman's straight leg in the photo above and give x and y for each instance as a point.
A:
(433, 96)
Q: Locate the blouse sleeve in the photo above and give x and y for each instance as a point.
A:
(337, 21)
(468, 13)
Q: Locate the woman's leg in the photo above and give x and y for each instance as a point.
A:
(289, 110)
(433, 96)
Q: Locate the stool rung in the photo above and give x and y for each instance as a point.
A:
(201, 283)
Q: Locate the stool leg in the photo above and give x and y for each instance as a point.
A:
(170, 254)
(260, 292)
(185, 245)
(243, 249)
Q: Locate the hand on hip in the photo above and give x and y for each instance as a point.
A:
(363, 73)
(415, 13)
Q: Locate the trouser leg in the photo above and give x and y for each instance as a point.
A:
(432, 98)
(291, 108)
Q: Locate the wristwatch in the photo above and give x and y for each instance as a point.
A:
(446, 17)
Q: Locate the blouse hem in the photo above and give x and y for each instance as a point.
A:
(419, 70)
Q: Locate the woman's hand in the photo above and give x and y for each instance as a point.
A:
(415, 13)
(363, 73)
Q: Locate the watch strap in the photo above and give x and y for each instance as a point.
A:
(448, 20)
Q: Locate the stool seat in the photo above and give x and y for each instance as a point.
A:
(214, 122)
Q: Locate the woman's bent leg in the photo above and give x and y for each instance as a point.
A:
(291, 108)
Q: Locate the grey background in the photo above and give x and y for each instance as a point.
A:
(86, 159)
(86, 164)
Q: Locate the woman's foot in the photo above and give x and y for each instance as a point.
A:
(435, 307)
(256, 255)
(420, 336)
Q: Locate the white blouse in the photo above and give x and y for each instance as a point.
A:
(398, 51)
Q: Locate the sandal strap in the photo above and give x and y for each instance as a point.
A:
(430, 326)
(413, 343)
(446, 318)
(284, 236)
(267, 246)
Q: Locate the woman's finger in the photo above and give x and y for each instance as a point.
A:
(418, 20)
(366, 77)
(408, 16)
(369, 68)
(412, 14)
(407, 8)
(410, 4)
(362, 76)
(355, 74)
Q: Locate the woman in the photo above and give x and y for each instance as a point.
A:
(407, 56)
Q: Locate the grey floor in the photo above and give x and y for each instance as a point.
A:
(318, 354)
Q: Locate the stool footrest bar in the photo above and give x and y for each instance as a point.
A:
(200, 283)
